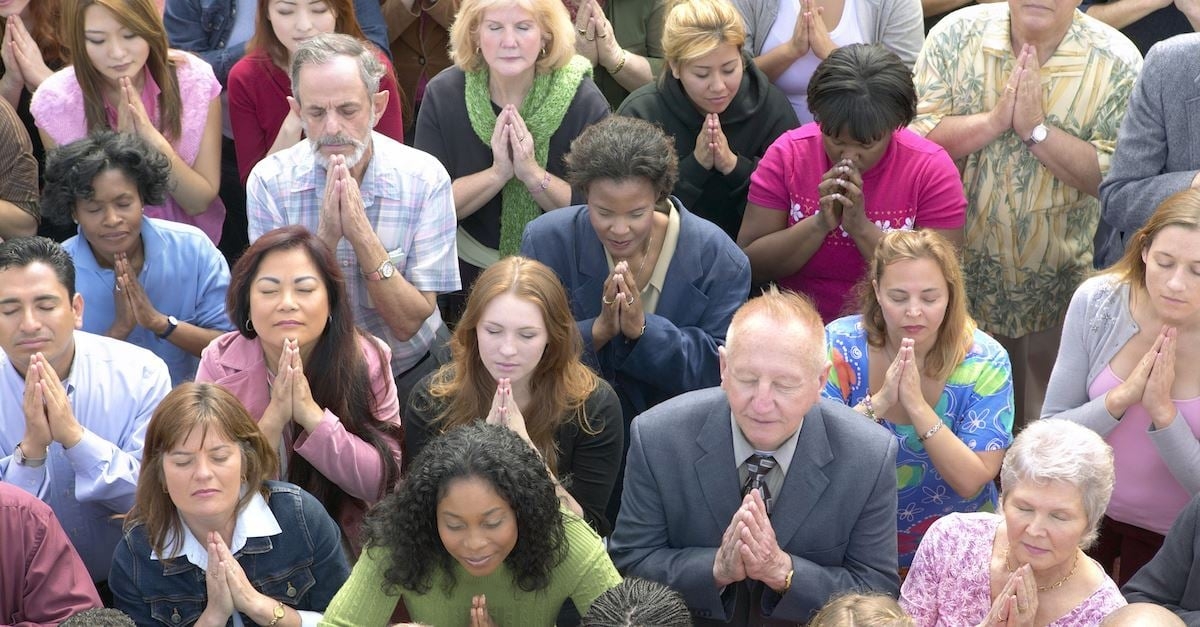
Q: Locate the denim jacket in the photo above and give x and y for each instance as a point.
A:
(303, 566)
(202, 27)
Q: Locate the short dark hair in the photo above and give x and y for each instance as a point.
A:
(70, 170)
(620, 148)
(863, 89)
(21, 252)
(638, 602)
(404, 524)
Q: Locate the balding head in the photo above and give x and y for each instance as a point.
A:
(1142, 615)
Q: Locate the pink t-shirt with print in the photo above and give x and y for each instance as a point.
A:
(914, 185)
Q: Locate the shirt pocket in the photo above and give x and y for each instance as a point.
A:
(290, 586)
(176, 611)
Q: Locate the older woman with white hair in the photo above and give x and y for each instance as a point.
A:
(1025, 566)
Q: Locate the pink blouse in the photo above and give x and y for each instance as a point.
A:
(949, 584)
(57, 108)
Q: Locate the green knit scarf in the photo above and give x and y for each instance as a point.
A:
(543, 111)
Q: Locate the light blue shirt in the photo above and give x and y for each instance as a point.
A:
(408, 201)
(184, 275)
(113, 387)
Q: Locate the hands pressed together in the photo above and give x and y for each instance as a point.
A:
(132, 305)
(842, 202)
(749, 549)
(712, 147)
(24, 66)
(810, 32)
(514, 152)
(48, 414)
(229, 590)
(594, 38)
(1150, 382)
(621, 310)
(291, 398)
(506, 413)
(1020, 105)
(1016, 605)
(342, 211)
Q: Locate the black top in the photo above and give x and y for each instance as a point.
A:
(758, 114)
(587, 462)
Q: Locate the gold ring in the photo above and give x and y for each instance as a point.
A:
(1010, 89)
(603, 36)
(606, 301)
(582, 31)
(629, 303)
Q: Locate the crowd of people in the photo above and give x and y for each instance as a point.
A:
(599, 312)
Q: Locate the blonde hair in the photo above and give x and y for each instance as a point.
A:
(957, 332)
(862, 610)
(558, 33)
(695, 28)
(784, 308)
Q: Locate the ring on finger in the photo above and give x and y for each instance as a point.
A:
(581, 31)
(630, 301)
(608, 301)
(592, 38)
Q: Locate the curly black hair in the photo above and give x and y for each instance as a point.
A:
(404, 524)
(70, 170)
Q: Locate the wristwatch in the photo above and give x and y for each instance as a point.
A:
(384, 271)
(277, 614)
(172, 322)
(1039, 134)
(19, 457)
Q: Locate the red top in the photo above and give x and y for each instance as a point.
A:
(258, 92)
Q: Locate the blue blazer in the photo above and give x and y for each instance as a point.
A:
(835, 515)
(707, 280)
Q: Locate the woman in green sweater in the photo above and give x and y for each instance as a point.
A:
(474, 536)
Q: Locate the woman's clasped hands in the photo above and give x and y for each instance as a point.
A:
(1149, 383)
(291, 398)
(842, 202)
(229, 590)
(621, 308)
(1017, 603)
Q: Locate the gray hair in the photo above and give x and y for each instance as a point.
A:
(638, 602)
(321, 49)
(1059, 450)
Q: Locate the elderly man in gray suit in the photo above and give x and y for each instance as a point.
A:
(1158, 148)
(758, 500)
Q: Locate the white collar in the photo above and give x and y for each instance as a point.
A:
(254, 521)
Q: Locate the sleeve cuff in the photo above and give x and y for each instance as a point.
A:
(90, 451)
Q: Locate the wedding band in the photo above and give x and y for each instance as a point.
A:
(117, 287)
(603, 36)
(582, 31)
(1010, 89)
(630, 301)
(607, 301)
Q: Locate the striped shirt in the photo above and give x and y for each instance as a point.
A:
(406, 194)
(19, 185)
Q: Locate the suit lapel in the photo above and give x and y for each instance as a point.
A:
(806, 480)
(716, 471)
(593, 268)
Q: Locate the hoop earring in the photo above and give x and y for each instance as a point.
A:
(249, 326)
(543, 55)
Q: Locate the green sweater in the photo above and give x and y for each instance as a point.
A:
(582, 576)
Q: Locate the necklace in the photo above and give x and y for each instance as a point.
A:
(1057, 584)
(642, 266)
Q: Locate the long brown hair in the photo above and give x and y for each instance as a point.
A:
(44, 19)
(559, 385)
(336, 368)
(142, 18)
(188, 407)
(345, 22)
(957, 331)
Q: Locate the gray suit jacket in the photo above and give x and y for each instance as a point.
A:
(835, 515)
(1158, 148)
(1172, 578)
